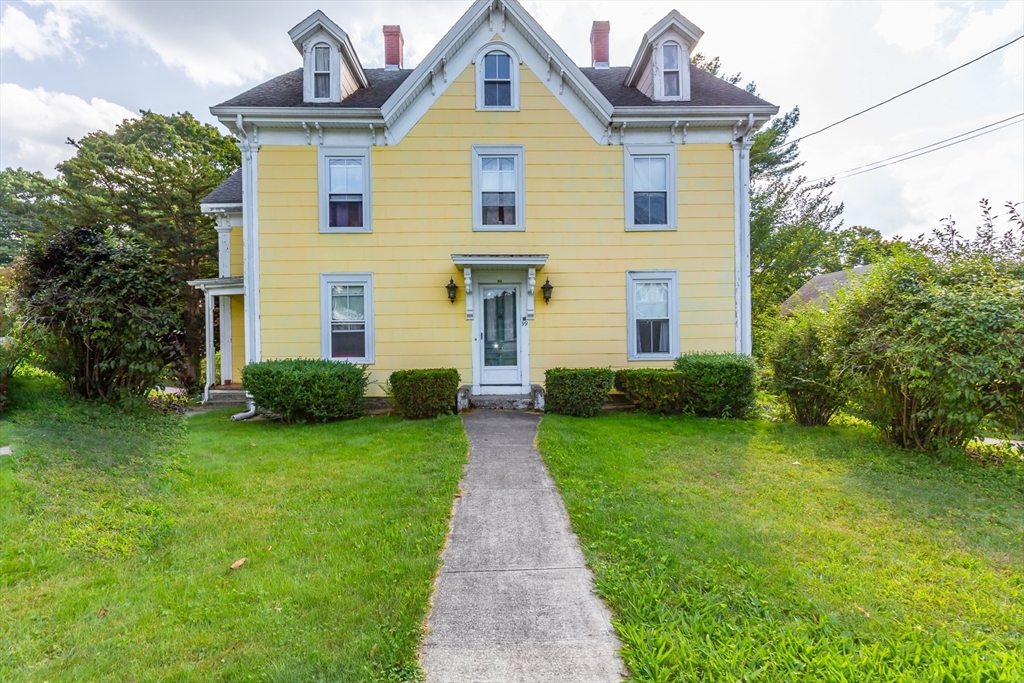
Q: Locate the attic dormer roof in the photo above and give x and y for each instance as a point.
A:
(316, 22)
(673, 20)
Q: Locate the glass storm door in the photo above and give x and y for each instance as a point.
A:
(500, 337)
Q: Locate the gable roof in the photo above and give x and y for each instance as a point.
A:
(286, 91)
(820, 288)
(705, 90)
(228, 192)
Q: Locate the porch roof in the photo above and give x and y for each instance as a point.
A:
(220, 286)
(500, 261)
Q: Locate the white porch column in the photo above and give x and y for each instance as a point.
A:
(211, 370)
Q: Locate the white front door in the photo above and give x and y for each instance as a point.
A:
(501, 320)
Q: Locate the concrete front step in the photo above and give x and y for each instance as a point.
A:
(532, 401)
(226, 397)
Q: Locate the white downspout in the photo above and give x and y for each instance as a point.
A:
(741, 178)
(248, 254)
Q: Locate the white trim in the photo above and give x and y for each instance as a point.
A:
(326, 281)
(325, 155)
(658, 68)
(672, 200)
(250, 244)
(492, 277)
(517, 151)
(741, 239)
(478, 60)
(688, 33)
(223, 246)
(225, 340)
(670, 276)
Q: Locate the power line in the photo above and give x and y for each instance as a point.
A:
(903, 154)
(878, 164)
(876, 106)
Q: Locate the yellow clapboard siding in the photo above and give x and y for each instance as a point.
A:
(235, 267)
(237, 338)
(422, 192)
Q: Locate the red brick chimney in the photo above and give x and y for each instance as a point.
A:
(599, 44)
(394, 45)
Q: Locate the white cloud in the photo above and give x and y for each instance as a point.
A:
(52, 36)
(38, 121)
(958, 31)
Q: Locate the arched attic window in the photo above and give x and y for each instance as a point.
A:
(321, 71)
(497, 78)
(671, 58)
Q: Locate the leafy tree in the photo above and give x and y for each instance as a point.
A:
(12, 348)
(102, 311)
(148, 177)
(28, 208)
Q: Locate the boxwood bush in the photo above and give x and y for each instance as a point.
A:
(579, 392)
(421, 394)
(307, 390)
(718, 384)
(652, 390)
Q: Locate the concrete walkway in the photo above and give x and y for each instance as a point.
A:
(513, 601)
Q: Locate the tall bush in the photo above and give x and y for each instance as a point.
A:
(308, 390)
(718, 384)
(422, 394)
(801, 373)
(652, 390)
(103, 310)
(579, 392)
(933, 345)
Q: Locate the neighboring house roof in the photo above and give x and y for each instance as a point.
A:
(819, 288)
(286, 91)
(705, 90)
(228, 192)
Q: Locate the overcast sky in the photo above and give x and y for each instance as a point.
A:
(67, 68)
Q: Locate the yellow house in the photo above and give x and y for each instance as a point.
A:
(498, 209)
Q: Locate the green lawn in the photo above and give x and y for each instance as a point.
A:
(117, 533)
(750, 551)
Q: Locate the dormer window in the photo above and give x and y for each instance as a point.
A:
(670, 69)
(321, 72)
(497, 78)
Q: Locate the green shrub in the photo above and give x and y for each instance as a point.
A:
(103, 311)
(652, 390)
(801, 373)
(933, 347)
(305, 390)
(579, 392)
(718, 384)
(421, 394)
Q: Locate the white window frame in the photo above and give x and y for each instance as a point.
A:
(672, 278)
(517, 151)
(328, 280)
(328, 153)
(671, 201)
(329, 72)
(309, 70)
(497, 46)
(682, 60)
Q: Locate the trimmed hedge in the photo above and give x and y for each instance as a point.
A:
(306, 390)
(579, 392)
(422, 394)
(718, 384)
(652, 390)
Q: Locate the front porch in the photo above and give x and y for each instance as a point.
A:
(219, 293)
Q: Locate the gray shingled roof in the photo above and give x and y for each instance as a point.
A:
(820, 287)
(286, 91)
(228, 192)
(705, 90)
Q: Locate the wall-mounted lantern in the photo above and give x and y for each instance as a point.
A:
(546, 288)
(452, 289)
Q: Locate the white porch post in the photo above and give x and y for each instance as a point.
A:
(211, 369)
(741, 187)
(224, 270)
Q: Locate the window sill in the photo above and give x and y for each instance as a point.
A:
(344, 231)
(651, 356)
(499, 228)
(651, 228)
(357, 361)
(515, 108)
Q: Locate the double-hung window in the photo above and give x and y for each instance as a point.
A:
(652, 306)
(498, 187)
(344, 190)
(347, 317)
(650, 184)
(321, 72)
(497, 77)
(670, 70)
